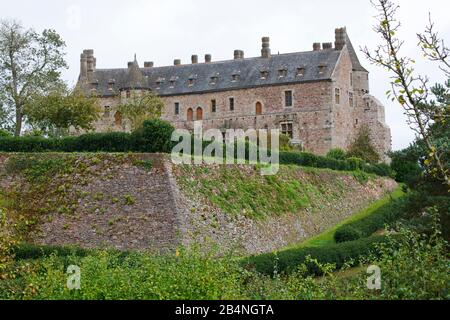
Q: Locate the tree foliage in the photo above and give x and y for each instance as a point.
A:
(30, 63)
(54, 113)
(140, 107)
(363, 148)
(410, 89)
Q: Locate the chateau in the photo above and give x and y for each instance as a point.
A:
(319, 98)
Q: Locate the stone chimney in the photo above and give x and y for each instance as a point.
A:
(340, 38)
(327, 45)
(90, 62)
(130, 64)
(194, 59)
(176, 62)
(208, 58)
(265, 51)
(238, 54)
(316, 46)
(148, 64)
(83, 66)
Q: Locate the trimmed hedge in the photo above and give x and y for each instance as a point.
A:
(366, 226)
(350, 164)
(155, 136)
(289, 260)
(30, 251)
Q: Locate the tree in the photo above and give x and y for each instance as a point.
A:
(363, 148)
(57, 111)
(30, 63)
(140, 107)
(337, 154)
(409, 89)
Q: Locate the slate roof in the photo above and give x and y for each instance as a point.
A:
(197, 78)
(353, 56)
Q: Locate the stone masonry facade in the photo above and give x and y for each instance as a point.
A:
(319, 98)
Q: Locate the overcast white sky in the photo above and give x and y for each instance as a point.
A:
(162, 30)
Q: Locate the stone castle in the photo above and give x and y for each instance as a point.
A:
(319, 98)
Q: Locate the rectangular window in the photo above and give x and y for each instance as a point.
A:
(177, 108)
(337, 95)
(287, 129)
(350, 99)
(231, 104)
(288, 99)
(351, 79)
(128, 94)
(213, 106)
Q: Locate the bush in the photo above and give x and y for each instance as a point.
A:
(362, 147)
(366, 226)
(287, 261)
(346, 233)
(153, 136)
(337, 154)
(26, 251)
(4, 133)
(381, 169)
(356, 163)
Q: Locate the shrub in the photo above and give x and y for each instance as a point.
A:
(153, 136)
(346, 233)
(287, 261)
(30, 251)
(97, 142)
(4, 133)
(355, 163)
(337, 154)
(363, 148)
(381, 169)
(366, 226)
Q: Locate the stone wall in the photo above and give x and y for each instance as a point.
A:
(111, 200)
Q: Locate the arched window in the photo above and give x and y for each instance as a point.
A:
(118, 118)
(199, 113)
(258, 108)
(190, 114)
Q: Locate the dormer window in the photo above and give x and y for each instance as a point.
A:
(160, 81)
(191, 80)
(173, 81)
(213, 80)
(235, 77)
(322, 69)
(282, 73)
(264, 75)
(111, 83)
(301, 72)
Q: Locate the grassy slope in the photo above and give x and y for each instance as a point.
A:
(327, 237)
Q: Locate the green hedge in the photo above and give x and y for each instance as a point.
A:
(30, 251)
(289, 260)
(155, 136)
(366, 226)
(350, 164)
